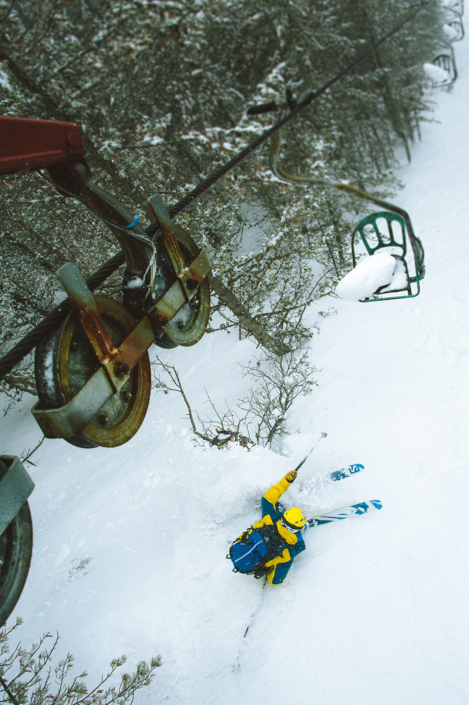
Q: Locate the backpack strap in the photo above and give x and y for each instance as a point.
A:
(244, 537)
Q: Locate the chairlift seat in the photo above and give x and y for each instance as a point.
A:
(382, 231)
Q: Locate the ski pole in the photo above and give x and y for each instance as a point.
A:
(323, 435)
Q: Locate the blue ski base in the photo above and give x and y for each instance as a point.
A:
(346, 512)
(346, 472)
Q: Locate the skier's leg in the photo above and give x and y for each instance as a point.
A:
(279, 572)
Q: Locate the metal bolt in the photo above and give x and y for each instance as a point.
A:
(192, 283)
(103, 419)
(74, 345)
(126, 396)
(180, 325)
(74, 140)
(122, 369)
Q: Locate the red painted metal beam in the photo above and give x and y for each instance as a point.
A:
(27, 143)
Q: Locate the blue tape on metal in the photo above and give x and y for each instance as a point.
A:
(136, 219)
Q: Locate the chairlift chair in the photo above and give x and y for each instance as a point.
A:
(456, 5)
(454, 20)
(397, 220)
(458, 27)
(446, 61)
(377, 232)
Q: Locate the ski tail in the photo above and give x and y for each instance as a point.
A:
(346, 512)
(345, 472)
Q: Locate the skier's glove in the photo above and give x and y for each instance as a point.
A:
(291, 476)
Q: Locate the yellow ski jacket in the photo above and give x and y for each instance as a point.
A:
(271, 514)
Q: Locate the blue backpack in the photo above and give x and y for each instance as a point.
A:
(254, 549)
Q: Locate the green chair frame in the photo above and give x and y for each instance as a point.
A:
(390, 241)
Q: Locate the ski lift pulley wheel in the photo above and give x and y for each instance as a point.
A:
(188, 325)
(65, 361)
(16, 548)
(16, 532)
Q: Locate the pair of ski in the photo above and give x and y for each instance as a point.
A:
(345, 512)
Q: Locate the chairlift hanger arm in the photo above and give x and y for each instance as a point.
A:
(296, 108)
(416, 244)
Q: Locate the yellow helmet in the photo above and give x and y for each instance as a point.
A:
(293, 519)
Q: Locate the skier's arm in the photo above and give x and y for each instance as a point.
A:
(271, 497)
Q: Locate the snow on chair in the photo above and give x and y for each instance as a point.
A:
(443, 71)
(384, 232)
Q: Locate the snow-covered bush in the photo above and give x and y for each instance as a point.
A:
(29, 676)
(260, 417)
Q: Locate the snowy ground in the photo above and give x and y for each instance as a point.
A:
(376, 610)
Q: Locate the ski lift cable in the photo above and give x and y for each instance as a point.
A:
(29, 342)
(307, 100)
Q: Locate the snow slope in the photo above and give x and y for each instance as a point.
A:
(376, 610)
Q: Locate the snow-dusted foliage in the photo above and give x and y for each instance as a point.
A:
(26, 676)
(260, 416)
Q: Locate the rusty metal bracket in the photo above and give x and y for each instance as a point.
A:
(72, 418)
(157, 209)
(189, 277)
(135, 244)
(176, 296)
(91, 322)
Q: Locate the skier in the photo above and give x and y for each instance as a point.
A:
(271, 550)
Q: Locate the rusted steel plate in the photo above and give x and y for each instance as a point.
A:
(118, 362)
(137, 343)
(27, 143)
(192, 277)
(83, 300)
(201, 266)
(72, 418)
(171, 302)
